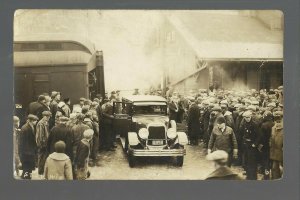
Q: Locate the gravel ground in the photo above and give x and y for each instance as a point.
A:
(113, 165)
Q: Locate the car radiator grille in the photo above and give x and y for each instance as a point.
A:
(157, 132)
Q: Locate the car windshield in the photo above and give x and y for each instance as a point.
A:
(150, 109)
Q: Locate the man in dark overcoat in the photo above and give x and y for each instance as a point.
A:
(264, 146)
(173, 109)
(194, 124)
(27, 146)
(250, 134)
(63, 133)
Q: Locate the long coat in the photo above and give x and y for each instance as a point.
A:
(42, 134)
(223, 173)
(193, 120)
(77, 135)
(63, 133)
(27, 145)
(266, 130)
(225, 140)
(173, 109)
(58, 167)
(276, 143)
(81, 160)
(41, 109)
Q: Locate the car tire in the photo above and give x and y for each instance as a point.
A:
(131, 160)
(179, 161)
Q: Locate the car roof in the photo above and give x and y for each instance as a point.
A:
(144, 98)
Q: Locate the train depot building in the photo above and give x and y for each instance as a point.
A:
(248, 54)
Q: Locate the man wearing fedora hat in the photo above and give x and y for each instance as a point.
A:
(41, 136)
(27, 146)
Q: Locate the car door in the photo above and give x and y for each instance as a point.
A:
(122, 118)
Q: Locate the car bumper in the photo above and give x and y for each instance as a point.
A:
(157, 152)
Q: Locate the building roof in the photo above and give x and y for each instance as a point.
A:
(57, 38)
(50, 58)
(228, 36)
(143, 98)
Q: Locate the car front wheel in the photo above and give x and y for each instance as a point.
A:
(131, 160)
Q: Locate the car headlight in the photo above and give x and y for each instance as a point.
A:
(171, 133)
(144, 133)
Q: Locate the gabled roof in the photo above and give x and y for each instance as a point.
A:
(224, 36)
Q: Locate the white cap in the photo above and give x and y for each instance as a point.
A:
(218, 155)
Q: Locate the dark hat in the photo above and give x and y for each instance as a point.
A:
(113, 92)
(66, 100)
(46, 113)
(105, 100)
(118, 91)
(60, 147)
(85, 109)
(32, 117)
(221, 120)
(63, 119)
(41, 98)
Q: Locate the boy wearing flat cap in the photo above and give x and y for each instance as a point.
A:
(276, 146)
(82, 156)
(41, 137)
(27, 146)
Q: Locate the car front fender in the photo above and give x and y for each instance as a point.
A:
(133, 139)
(182, 138)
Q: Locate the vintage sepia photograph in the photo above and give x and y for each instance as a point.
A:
(148, 94)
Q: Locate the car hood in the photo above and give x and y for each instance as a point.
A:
(147, 119)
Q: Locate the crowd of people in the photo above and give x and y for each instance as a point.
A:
(247, 125)
(62, 142)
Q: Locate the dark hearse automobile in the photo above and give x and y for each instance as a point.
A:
(145, 129)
